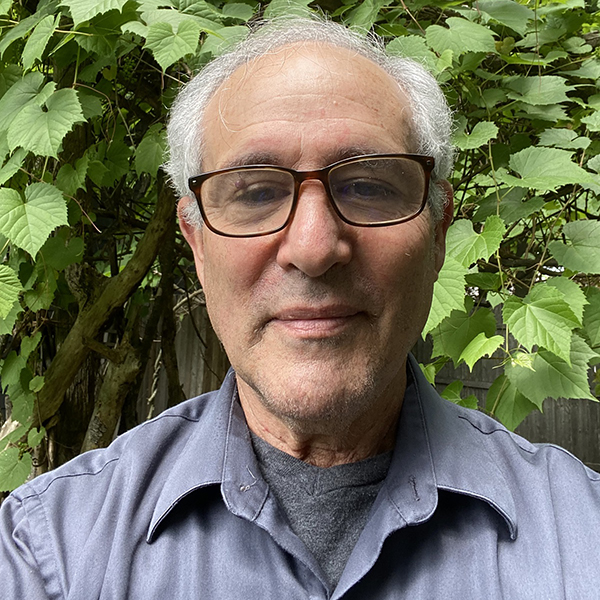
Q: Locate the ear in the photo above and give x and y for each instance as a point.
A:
(193, 235)
(441, 228)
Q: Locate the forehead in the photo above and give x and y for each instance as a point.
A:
(305, 100)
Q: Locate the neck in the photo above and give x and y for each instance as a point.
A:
(325, 443)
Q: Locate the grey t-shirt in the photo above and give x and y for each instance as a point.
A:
(327, 507)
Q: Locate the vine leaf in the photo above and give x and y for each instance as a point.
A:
(552, 377)
(20, 95)
(572, 294)
(150, 153)
(542, 318)
(448, 293)
(14, 468)
(507, 404)
(479, 347)
(545, 169)
(466, 246)
(10, 288)
(452, 392)
(461, 36)
(169, 45)
(42, 131)
(415, 47)
(591, 316)
(38, 40)
(455, 333)
(83, 10)
(27, 224)
(482, 133)
(509, 13)
(582, 253)
(536, 90)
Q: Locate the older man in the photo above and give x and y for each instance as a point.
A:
(312, 170)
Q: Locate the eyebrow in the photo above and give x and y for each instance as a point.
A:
(268, 158)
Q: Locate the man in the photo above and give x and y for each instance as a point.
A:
(326, 466)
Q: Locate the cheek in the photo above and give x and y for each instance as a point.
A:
(232, 271)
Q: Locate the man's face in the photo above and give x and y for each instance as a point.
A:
(317, 319)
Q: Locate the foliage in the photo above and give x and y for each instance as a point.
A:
(89, 251)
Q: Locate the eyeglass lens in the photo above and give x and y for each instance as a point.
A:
(364, 191)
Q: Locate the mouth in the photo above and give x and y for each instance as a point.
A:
(316, 322)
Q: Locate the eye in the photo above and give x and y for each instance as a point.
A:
(364, 189)
(260, 194)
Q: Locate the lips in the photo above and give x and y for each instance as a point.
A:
(316, 322)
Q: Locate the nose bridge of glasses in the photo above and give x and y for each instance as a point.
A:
(302, 178)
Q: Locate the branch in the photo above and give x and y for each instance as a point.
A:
(92, 318)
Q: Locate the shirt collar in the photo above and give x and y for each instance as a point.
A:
(440, 448)
(437, 447)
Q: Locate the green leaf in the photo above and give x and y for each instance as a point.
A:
(22, 93)
(10, 288)
(41, 296)
(553, 377)
(60, 250)
(582, 252)
(150, 154)
(509, 13)
(11, 74)
(12, 166)
(41, 131)
(467, 246)
(117, 161)
(541, 318)
(287, 8)
(544, 169)
(591, 316)
(415, 47)
(592, 121)
(7, 324)
(563, 138)
(507, 404)
(84, 10)
(14, 469)
(485, 281)
(35, 437)
(454, 334)
(547, 89)
(70, 179)
(238, 10)
(19, 31)
(461, 36)
(572, 294)
(452, 392)
(482, 133)
(29, 344)
(448, 293)
(364, 15)
(5, 6)
(36, 384)
(512, 207)
(38, 40)
(479, 347)
(28, 224)
(168, 46)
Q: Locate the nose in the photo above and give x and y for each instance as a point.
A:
(316, 239)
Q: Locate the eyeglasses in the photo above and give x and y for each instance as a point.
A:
(374, 190)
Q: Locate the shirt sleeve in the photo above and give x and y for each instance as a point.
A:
(20, 575)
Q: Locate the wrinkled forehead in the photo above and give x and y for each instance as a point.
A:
(306, 82)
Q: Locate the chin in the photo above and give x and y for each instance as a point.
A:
(307, 400)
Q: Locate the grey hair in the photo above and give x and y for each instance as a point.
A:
(432, 119)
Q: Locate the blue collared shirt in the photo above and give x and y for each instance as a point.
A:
(176, 509)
